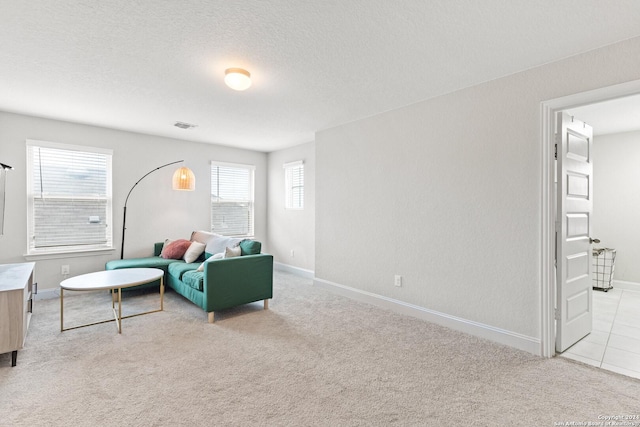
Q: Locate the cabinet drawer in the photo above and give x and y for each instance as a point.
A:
(12, 315)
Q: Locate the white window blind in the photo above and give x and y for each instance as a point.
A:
(294, 185)
(69, 198)
(232, 199)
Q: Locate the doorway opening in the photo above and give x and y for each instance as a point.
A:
(549, 110)
(614, 339)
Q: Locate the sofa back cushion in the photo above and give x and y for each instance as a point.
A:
(250, 247)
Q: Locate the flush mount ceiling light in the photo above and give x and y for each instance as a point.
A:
(237, 78)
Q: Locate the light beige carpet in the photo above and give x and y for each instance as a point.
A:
(314, 358)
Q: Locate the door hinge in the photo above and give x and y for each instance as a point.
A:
(556, 314)
(556, 152)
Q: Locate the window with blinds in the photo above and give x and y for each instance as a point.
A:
(294, 185)
(232, 199)
(69, 198)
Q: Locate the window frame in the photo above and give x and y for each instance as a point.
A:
(289, 185)
(251, 191)
(31, 196)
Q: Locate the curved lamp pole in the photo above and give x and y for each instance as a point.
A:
(3, 182)
(124, 219)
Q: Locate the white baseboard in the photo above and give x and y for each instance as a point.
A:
(502, 336)
(47, 294)
(629, 286)
(307, 274)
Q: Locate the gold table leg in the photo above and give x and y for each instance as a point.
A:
(61, 310)
(117, 316)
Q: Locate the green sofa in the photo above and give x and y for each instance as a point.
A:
(224, 283)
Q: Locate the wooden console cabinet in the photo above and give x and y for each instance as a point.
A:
(16, 305)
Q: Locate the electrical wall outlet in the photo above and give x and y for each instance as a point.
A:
(397, 280)
(64, 269)
(292, 253)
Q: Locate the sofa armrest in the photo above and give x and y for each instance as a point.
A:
(230, 282)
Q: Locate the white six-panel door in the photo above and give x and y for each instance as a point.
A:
(573, 230)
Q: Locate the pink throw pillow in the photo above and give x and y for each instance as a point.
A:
(175, 249)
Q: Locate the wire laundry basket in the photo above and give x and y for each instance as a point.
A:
(604, 263)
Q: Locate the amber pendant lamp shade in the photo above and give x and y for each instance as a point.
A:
(184, 179)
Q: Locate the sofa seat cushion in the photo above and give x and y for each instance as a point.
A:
(149, 262)
(177, 269)
(194, 279)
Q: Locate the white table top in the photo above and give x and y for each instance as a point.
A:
(111, 279)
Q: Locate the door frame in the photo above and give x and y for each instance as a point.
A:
(548, 110)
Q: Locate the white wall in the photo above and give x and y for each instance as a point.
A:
(447, 193)
(616, 195)
(154, 210)
(292, 229)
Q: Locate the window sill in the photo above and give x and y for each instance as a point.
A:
(69, 254)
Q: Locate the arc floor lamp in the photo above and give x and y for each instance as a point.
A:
(3, 177)
(183, 179)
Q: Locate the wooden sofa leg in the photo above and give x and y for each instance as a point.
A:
(211, 316)
(266, 304)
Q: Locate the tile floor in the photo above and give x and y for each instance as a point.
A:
(614, 343)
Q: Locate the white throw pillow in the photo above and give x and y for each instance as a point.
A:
(232, 252)
(211, 258)
(218, 243)
(194, 251)
(203, 236)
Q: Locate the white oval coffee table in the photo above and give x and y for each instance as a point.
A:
(111, 280)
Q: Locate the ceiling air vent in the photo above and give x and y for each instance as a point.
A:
(183, 125)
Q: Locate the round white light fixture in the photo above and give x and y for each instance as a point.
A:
(237, 78)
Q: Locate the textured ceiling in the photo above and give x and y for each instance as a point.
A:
(143, 65)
